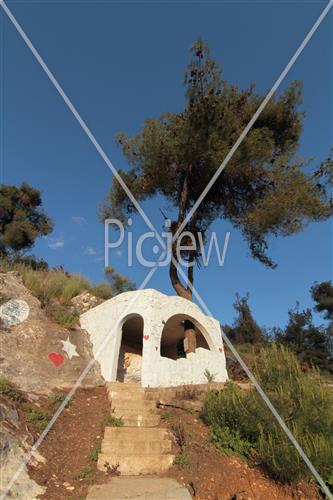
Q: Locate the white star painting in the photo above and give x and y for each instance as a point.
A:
(69, 348)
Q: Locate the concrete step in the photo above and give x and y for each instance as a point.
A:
(137, 447)
(133, 403)
(139, 488)
(139, 420)
(133, 434)
(133, 465)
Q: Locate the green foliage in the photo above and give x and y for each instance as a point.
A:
(166, 415)
(230, 443)
(54, 284)
(312, 344)
(38, 417)
(57, 398)
(8, 389)
(62, 314)
(102, 291)
(302, 400)
(112, 421)
(84, 472)
(322, 294)
(210, 377)
(244, 330)
(22, 219)
(263, 191)
(93, 454)
(118, 282)
(182, 459)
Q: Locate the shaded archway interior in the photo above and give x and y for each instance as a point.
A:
(172, 339)
(130, 353)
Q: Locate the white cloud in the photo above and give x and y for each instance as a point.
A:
(98, 259)
(56, 243)
(89, 251)
(77, 219)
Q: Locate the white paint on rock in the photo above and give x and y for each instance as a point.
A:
(155, 308)
(14, 312)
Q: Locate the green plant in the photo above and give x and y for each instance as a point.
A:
(8, 389)
(84, 472)
(209, 376)
(93, 454)
(179, 433)
(166, 415)
(38, 417)
(266, 190)
(230, 443)
(62, 314)
(102, 291)
(189, 410)
(112, 421)
(239, 418)
(182, 459)
(57, 398)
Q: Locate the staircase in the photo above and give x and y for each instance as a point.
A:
(140, 446)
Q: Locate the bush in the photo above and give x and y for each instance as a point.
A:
(102, 291)
(112, 421)
(230, 442)
(8, 389)
(57, 398)
(62, 314)
(182, 459)
(303, 402)
(38, 417)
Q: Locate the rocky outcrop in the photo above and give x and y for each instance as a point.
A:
(85, 301)
(13, 447)
(36, 353)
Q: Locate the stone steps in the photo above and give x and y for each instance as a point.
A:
(135, 465)
(140, 404)
(139, 488)
(140, 446)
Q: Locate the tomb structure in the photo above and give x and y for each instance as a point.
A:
(139, 337)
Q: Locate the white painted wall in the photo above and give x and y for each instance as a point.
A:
(104, 324)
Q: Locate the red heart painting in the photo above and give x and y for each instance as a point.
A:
(57, 359)
(220, 349)
(146, 337)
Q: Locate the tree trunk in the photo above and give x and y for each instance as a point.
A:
(190, 341)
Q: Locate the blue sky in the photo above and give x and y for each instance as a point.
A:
(120, 62)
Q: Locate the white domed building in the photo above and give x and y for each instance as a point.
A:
(139, 337)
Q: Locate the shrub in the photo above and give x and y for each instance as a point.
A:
(8, 389)
(62, 314)
(93, 454)
(84, 472)
(102, 291)
(303, 402)
(182, 459)
(230, 443)
(56, 398)
(112, 421)
(38, 417)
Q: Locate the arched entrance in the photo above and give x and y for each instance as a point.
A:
(172, 339)
(130, 352)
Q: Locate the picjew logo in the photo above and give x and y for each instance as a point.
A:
(134, 249)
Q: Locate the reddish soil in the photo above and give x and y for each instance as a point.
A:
(71, 447)
(212, 476)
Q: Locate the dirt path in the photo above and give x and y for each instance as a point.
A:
(71, 448)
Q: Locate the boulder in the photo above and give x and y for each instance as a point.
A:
(37, 353)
